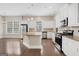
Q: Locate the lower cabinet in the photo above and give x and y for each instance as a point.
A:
(53, 37)
(49, 35)
(26, 41)
(70, 47)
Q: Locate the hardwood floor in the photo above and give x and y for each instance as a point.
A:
(49, 49)
(15, 47)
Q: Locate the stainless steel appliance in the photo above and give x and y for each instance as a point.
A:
(24, 27)
(58, 38)
(44, 35)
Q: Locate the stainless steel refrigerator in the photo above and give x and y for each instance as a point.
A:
(24, 27)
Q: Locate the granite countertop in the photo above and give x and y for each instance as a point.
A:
(72, 37)
(33, 33)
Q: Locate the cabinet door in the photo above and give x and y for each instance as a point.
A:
(63, 13)
(53, 37)
(72, 15)
(59, 17)
(68, 46)
(76, 45)
(77, 50)
(65, 45)
(77, 12)
(72, 48)
(26, 41)
(49, 35)
(58, 24)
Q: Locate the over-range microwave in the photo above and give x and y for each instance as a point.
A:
(64, 22)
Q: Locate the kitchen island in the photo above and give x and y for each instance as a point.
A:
(32, 40)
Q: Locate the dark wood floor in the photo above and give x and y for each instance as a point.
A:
(15, 47)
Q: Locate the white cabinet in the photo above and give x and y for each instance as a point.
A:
(26, 41)
(73, 14)
(71, 11)
(61, 15)
(58, 24)
(59, 18)
(76, 46)
(65, 45)
(70, 47)
(53, 37)
(32, 41)
(49, 35)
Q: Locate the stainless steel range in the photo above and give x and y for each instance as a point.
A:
(58, 38)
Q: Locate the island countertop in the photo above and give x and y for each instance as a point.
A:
(33, 33)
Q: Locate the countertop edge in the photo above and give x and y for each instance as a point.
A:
(76, 38)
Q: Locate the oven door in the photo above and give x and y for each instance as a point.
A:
(58, 41)
(44, 35)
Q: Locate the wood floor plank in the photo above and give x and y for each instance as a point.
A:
(15, 47)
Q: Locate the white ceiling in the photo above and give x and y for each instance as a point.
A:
(29, 9)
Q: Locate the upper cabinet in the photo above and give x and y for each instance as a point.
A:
(73, 14)
(58, 24)
(68, 10)
(61, 15)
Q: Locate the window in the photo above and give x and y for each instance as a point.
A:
(9, 27)
(16, 27)
(39, 26)
(13, 27)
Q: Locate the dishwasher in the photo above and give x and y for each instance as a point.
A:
(44, 35)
